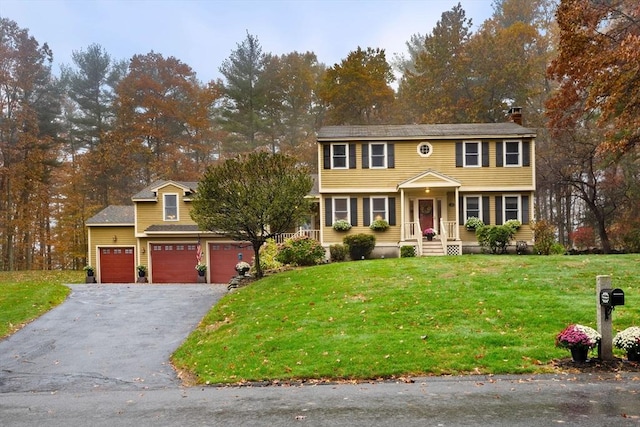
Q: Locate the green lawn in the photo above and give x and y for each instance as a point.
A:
(25, 295)
(409, 316)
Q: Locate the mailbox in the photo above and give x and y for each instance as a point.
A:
(617, 297)
(611, 297)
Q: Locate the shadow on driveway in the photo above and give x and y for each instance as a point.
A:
(110, 337)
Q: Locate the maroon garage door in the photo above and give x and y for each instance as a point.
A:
(223, 258)
(117, 265)
(173, 263)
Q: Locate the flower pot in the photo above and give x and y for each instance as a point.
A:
(201, 272)
(579, 354)
(429, 237)
(633, 356)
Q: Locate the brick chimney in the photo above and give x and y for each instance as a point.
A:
(515, 115)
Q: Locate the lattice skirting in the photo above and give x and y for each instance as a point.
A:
(454, 249)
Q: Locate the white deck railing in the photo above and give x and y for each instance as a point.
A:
(313, 234)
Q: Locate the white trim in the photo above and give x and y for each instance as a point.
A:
(504, 206)
(495, 189)
(464, 206)
(504, 153)
(385, 155)
(464, 154)
(164, 207)
(420, 145)
(341, 190)
(386, 208)
(333, 208)
(346, 156)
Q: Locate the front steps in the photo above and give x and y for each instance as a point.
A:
(432, 248)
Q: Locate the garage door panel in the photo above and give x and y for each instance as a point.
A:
(117, 265)
(223, 258)
(173, 263)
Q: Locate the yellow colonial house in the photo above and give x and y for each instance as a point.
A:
(425, 176)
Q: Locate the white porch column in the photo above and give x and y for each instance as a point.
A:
(402, 226)
(457, 213)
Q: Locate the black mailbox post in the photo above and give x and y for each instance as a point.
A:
(609, 298)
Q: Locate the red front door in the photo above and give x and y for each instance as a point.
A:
(426, 214)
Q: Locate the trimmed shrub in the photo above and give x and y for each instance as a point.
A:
(407, 251)
(338, 252)
(495, 238)
(268, 254)
(302, 251)
(360, 245)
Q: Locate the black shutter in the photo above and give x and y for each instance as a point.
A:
(352, 156)
(525, 209)
(365, 212)
(365, 156)
(391, 156)
(458, 154)
(392, 211)
(328, 220)
(498, 210)
(485, 154)
(486, 212)
(461, 210)
(326, 155)
(526, 153)
(499, 154)
(354, 211)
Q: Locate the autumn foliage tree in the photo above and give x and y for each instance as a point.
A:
(597, 69)
(358, 91)
(29, 105)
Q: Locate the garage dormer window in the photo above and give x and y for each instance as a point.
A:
(170, 207)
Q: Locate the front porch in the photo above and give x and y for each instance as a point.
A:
(446, 241)
(430, 201)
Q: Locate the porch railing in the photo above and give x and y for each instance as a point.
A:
(312, 234)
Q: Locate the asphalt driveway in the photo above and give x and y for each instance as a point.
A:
(108, 337)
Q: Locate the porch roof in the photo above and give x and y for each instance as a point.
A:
(429, 178)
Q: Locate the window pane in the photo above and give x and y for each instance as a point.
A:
(379, 208)
(473, 206)
(510, 208)
(472, 151)
(170, 206)
(339, 155)
(512, 153)
(377, 155)
(340, 209)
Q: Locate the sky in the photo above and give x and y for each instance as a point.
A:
(203, 33)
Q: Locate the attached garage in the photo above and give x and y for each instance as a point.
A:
(173, 263)
(223, 258)
(117, 265)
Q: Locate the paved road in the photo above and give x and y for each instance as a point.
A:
(101, 359)
(110, 337)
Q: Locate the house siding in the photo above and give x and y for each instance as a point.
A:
(150, 213)
(409, 163)
(102, 236)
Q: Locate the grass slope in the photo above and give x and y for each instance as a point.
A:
(25, 295)
(409, 316)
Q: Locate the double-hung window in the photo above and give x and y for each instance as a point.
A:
(341, 208)
(472, 207)
(378, 155)
(512, 209)
(512, 155)
(379, 208)
(339, 156)
(472, 154)
(170, 207)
